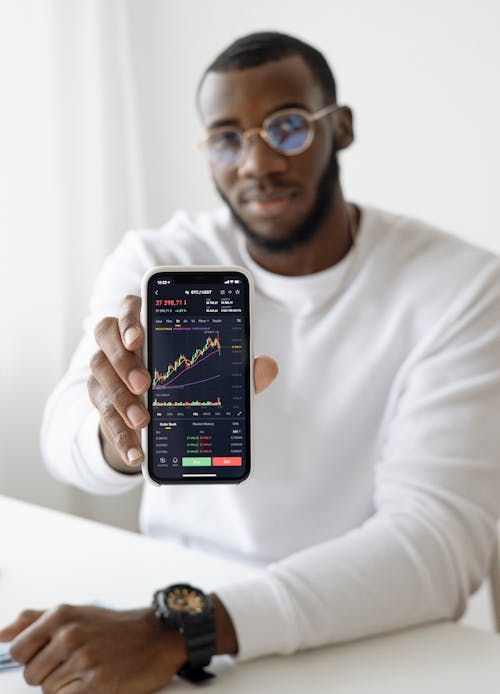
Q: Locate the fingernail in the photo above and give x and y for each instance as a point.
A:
(138, 380)
(134, 455)
(131, 334)
(136, 415)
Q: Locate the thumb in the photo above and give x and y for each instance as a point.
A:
(22, 622)
(265, 371)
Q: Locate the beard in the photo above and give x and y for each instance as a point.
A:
(305, 230)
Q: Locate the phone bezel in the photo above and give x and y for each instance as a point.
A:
(205, 271)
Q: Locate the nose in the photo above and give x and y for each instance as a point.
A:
(260, 160)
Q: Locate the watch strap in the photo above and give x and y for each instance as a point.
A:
(198, 632)
(200, 640)
(194, 674)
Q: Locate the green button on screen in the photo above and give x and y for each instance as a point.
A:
(196, 462)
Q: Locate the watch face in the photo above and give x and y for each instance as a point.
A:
(185, 599)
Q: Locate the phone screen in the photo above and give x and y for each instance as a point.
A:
(198, 325)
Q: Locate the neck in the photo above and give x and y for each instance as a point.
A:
(329, 246)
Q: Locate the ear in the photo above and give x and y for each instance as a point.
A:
(344, 133)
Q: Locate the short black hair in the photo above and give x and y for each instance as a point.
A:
(266, 46)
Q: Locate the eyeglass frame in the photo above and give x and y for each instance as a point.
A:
(262, 131)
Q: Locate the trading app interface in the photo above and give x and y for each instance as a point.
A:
(199, 400)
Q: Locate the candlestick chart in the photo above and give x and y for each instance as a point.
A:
(185, 370)
(192, 377)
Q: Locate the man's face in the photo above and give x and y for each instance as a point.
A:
(278, 200)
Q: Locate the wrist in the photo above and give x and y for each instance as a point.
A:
(226, 641)
(172, 653)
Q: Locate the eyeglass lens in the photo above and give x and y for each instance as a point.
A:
(287, 133)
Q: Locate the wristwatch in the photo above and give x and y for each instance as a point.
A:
(189, 611)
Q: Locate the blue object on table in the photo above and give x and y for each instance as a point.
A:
(6, 662)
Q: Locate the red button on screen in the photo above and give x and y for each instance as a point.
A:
(226, 461)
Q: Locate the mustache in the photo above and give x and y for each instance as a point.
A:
(265, 193)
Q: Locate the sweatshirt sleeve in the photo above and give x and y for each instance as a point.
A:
(429, 544)
(70, 429)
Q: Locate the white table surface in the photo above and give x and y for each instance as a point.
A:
(48, 557)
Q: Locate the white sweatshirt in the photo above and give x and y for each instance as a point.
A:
(375, 490)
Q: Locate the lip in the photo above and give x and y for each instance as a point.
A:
(269, 205)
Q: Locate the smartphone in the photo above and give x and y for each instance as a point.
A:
(198, 350)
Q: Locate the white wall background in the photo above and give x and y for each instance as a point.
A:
(97, 123)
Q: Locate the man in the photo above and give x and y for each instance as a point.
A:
(376, 487)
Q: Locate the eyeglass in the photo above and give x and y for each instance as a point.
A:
(289, 131)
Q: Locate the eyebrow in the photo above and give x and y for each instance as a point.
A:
(224, 122)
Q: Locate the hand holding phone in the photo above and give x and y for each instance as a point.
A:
(119, 379)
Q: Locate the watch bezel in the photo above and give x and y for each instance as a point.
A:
(166, 609)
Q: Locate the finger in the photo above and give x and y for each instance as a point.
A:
(21, 622)
(31, 640)
(70, 677)
(129, 322)
(134, 454)
(128, 365)
(124, 439)
(39, 633)
(114, 390)
(42, 664)
(62, 647)
(265, 370)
